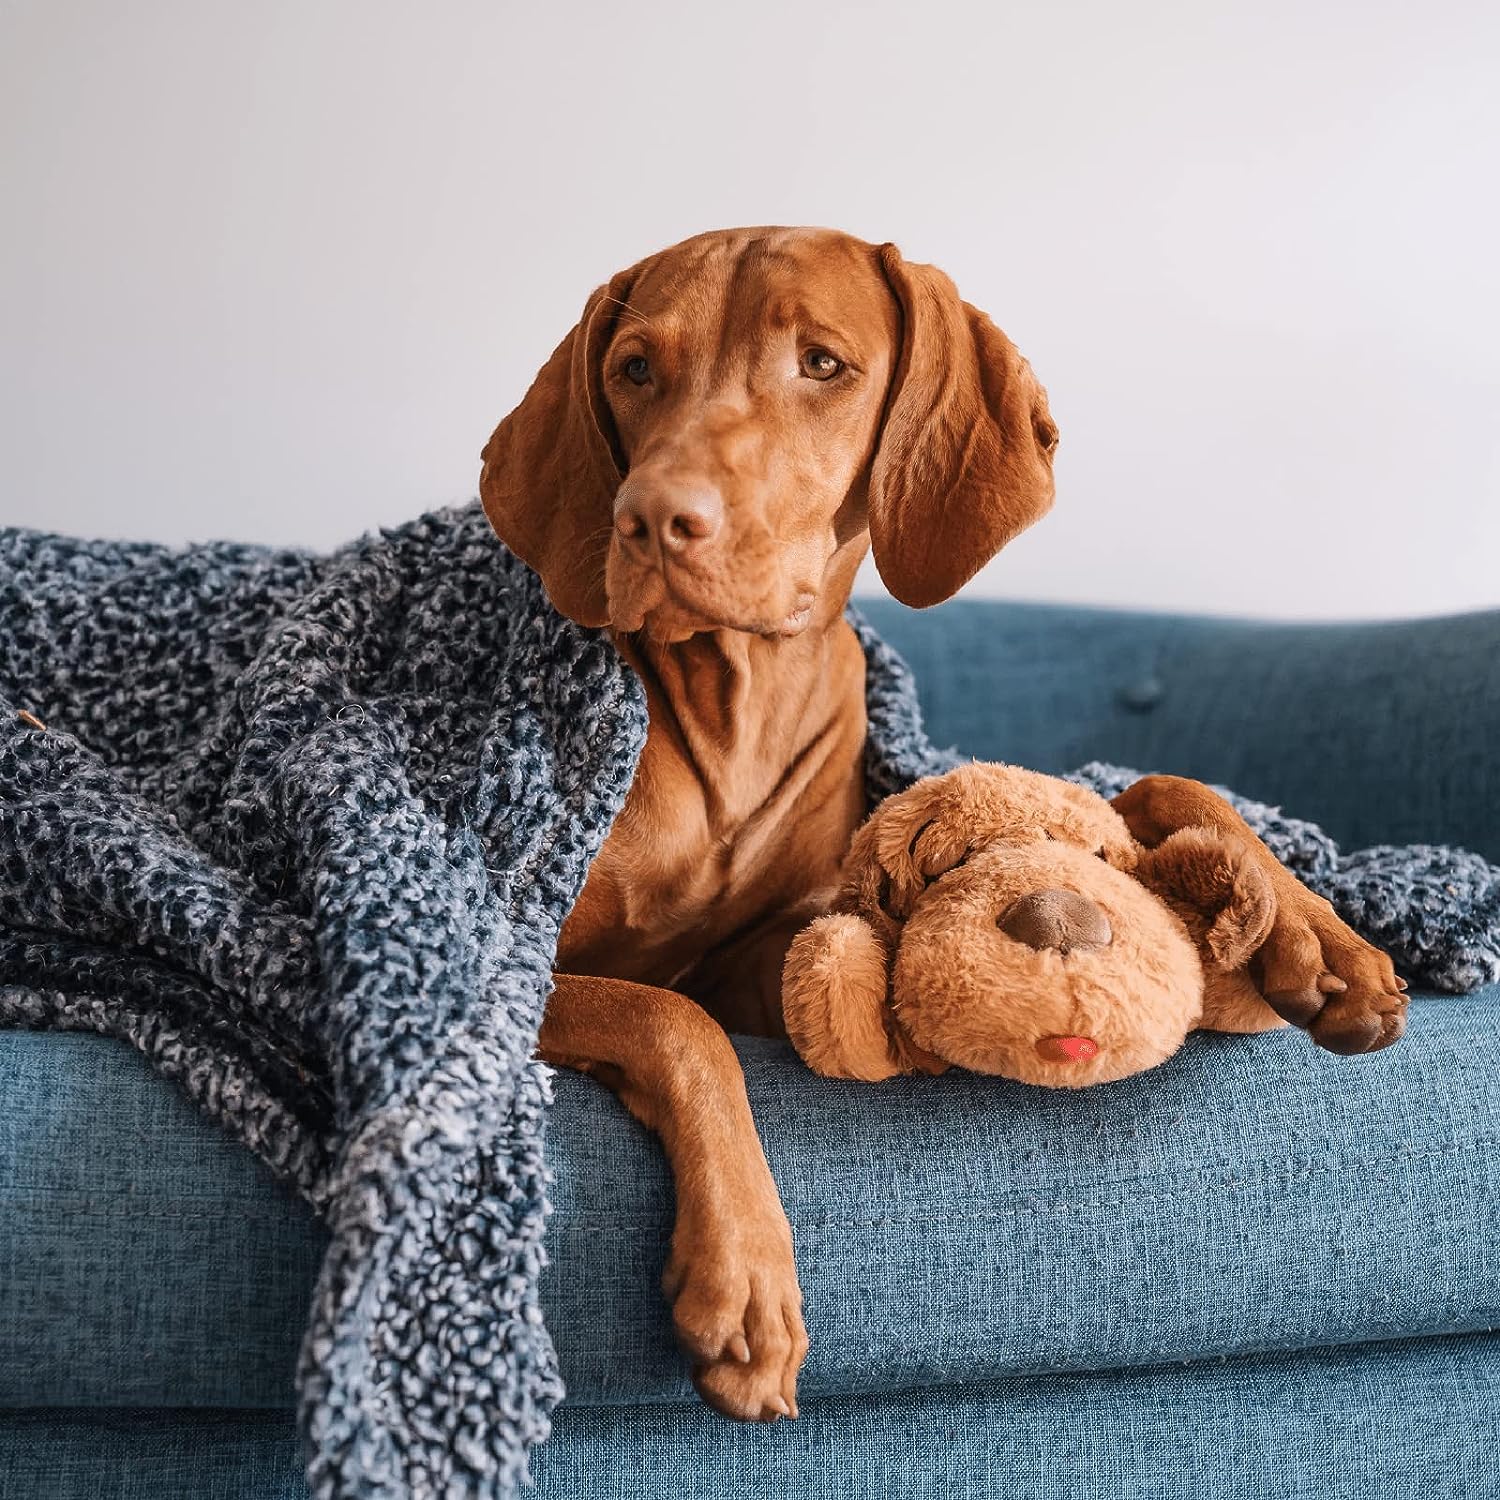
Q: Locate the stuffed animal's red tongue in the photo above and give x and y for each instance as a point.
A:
(1068, 1048)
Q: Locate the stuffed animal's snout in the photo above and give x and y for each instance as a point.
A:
(1066, 921)
(1039, 961)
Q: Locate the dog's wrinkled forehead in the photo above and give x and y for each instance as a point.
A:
(713, 300)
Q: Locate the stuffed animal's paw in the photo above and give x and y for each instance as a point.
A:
(1318, 973)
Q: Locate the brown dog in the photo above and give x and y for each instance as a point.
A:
(701, 466)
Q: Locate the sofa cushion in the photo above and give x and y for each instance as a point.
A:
(145, 1257)
(1250, 1194)
(1409, 1418)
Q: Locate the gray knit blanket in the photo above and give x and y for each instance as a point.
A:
(303, 829)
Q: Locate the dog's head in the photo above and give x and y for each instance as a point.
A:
(729, 420)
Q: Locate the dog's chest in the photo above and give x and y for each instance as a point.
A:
(695, 861)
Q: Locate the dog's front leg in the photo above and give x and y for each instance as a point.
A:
(730, 1276)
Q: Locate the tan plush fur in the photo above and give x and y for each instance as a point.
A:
(838, 1019)
(1126, 949)
(1217, 890)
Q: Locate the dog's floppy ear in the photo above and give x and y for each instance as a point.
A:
(964, 461)
(553, 465)
(833, 1000)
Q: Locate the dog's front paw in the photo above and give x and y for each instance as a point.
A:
(737, 1308)
(1318, 973)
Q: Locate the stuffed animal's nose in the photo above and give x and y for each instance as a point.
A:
(1063, 920)
(1067, 1048)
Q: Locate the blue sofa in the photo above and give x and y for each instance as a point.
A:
(1259, 1270)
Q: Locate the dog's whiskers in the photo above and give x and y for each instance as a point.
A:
(620, 302)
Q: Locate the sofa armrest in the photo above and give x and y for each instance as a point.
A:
(1382, 732)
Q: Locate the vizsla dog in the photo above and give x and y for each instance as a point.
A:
(700, 467)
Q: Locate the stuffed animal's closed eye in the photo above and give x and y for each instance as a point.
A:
(1005, 921)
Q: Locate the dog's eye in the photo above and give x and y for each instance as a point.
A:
(636, 369)
(819, 364)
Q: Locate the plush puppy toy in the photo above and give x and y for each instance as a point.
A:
(1004, 921)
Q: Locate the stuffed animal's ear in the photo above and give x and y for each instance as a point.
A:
(965, 455)
(551, 469)
(917, 835)
(1213, 882)
(833, 999)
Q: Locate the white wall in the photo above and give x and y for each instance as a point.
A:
(272, 271)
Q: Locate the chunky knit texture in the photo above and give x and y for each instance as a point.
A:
(304, 830)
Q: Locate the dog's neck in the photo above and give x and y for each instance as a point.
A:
(748, 790)
(745, 708)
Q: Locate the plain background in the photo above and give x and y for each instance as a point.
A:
(273, 271)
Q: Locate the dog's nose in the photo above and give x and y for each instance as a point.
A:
(678, 519)
(1058, 919)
